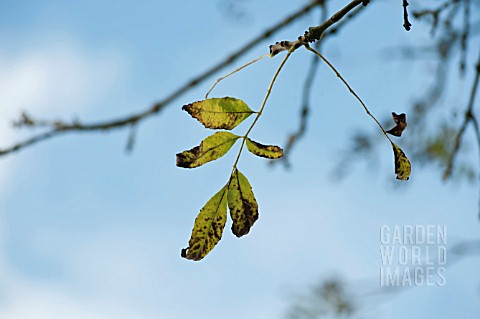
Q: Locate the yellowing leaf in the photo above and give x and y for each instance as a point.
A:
(268, 151)
(219, 113)
(242, 204)
(210, 149)
(208, 228)
(402, 164)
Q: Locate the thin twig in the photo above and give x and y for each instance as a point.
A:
(476, 129)
(32, 140)
(434, 12)
(338, 26)
(315, 33)
(406, 24)
(350, 89)
(262, 107)
(304, 112)
(132, 137)
(464, 37)
(467, 119)
(57, 128)
(294, 137)
(235, 71)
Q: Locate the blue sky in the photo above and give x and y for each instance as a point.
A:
(87, 231)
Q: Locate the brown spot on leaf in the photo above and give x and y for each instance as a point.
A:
(267, 151)
(219, 113)
(186, 158)
(242, 204)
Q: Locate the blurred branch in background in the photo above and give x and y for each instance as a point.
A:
(296, 136)
(53, 128)
(469, 118)
(336, 298)
(305, 109)
(435, 132)
(329, 299)
(434, 139)
(235, 10)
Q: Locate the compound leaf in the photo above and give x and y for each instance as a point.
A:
(208, 228)
(210, 149)
(219, 113)
(402, 164)
(267, 151)
(242, 204)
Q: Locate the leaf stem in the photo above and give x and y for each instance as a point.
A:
(262, 107)
(350, 89)
(235, 71)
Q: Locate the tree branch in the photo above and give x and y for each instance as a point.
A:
(294, 137)
(57, 128)
(315, 33)
(406, 23)
(467, 119)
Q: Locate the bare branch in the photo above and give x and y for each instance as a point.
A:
(406, 24)
(465, 35)
(233, 72)
(262, 107)
(57, 128)
(293, 138)
(467, 119)
(315, 33)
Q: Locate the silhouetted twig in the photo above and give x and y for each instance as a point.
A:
(406, 23)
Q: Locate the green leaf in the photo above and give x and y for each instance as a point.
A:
(219, 113)
(402, 164)
(268, 151)
(242, 204)
(210, 149)
(208, 228)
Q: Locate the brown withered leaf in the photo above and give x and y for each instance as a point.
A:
(400, 124)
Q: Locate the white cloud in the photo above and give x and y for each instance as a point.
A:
(108, 282)
(59, 79)
(108, 278)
